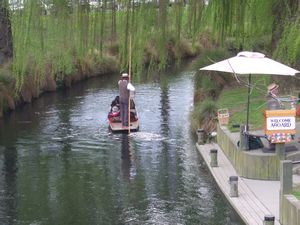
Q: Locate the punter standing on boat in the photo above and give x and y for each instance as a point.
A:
(124, 93)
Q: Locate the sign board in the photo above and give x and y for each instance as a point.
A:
(280, 121)
(280, 125)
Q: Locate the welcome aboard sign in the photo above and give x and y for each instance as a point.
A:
(280, 125)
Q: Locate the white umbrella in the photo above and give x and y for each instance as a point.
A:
(251, 63)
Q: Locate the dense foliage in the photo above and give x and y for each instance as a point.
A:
(64, 33)
(258, 25)
(56, 41)
(59, 37)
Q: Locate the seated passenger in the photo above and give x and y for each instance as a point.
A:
(115, 111)
(114, 114)
(115, 102)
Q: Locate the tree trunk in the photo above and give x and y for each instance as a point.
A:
(6, 46)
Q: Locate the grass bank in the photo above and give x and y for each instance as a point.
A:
(234, 98)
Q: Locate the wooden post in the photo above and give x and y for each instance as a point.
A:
(244, 139)
(233, 182)
(200, 134)
(286, 177)
(280, 150)
(286, 184)
(214, 158)
(269, 220)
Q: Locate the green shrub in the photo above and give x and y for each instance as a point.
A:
(204, 115)
(6, 77)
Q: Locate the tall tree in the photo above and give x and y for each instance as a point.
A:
(6, 44)
(113, 21)
(282, 11)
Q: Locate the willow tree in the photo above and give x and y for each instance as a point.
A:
(162, 28)
(62, 41)
(102, 27)
(83, 25)
(283, 12)
(178, 9)
(6, 44)
(22, 30)
(228, 19)
(254, 23)
(195, 10)
(125, 32)
(114, 21)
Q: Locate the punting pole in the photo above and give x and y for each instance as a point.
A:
(129, 79)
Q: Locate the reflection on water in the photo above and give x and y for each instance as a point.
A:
(8, 185)
(127, 156)
(60, 165)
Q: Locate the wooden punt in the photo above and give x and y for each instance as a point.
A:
(115, 124)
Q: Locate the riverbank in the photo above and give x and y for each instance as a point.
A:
(257, 196)
(35, 84)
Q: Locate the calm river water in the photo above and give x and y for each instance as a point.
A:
(60, 165)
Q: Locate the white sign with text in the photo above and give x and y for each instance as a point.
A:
(281, 123)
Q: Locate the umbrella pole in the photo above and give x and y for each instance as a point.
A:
(248, 102)
(244, 138)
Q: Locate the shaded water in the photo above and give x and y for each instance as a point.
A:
(60, 165)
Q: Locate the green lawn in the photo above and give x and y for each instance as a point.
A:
(297, 194)
(235, 99)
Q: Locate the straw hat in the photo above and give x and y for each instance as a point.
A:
(272, 87)
(124, 75)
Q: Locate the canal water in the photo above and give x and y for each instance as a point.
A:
(60, 164)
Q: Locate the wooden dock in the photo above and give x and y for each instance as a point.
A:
(250, 205)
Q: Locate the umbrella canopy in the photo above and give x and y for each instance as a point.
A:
(251, 63)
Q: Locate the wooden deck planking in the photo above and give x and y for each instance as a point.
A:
(239, 202)
(247, 197)
(244, 200)
(247, 205)
(251, 216)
